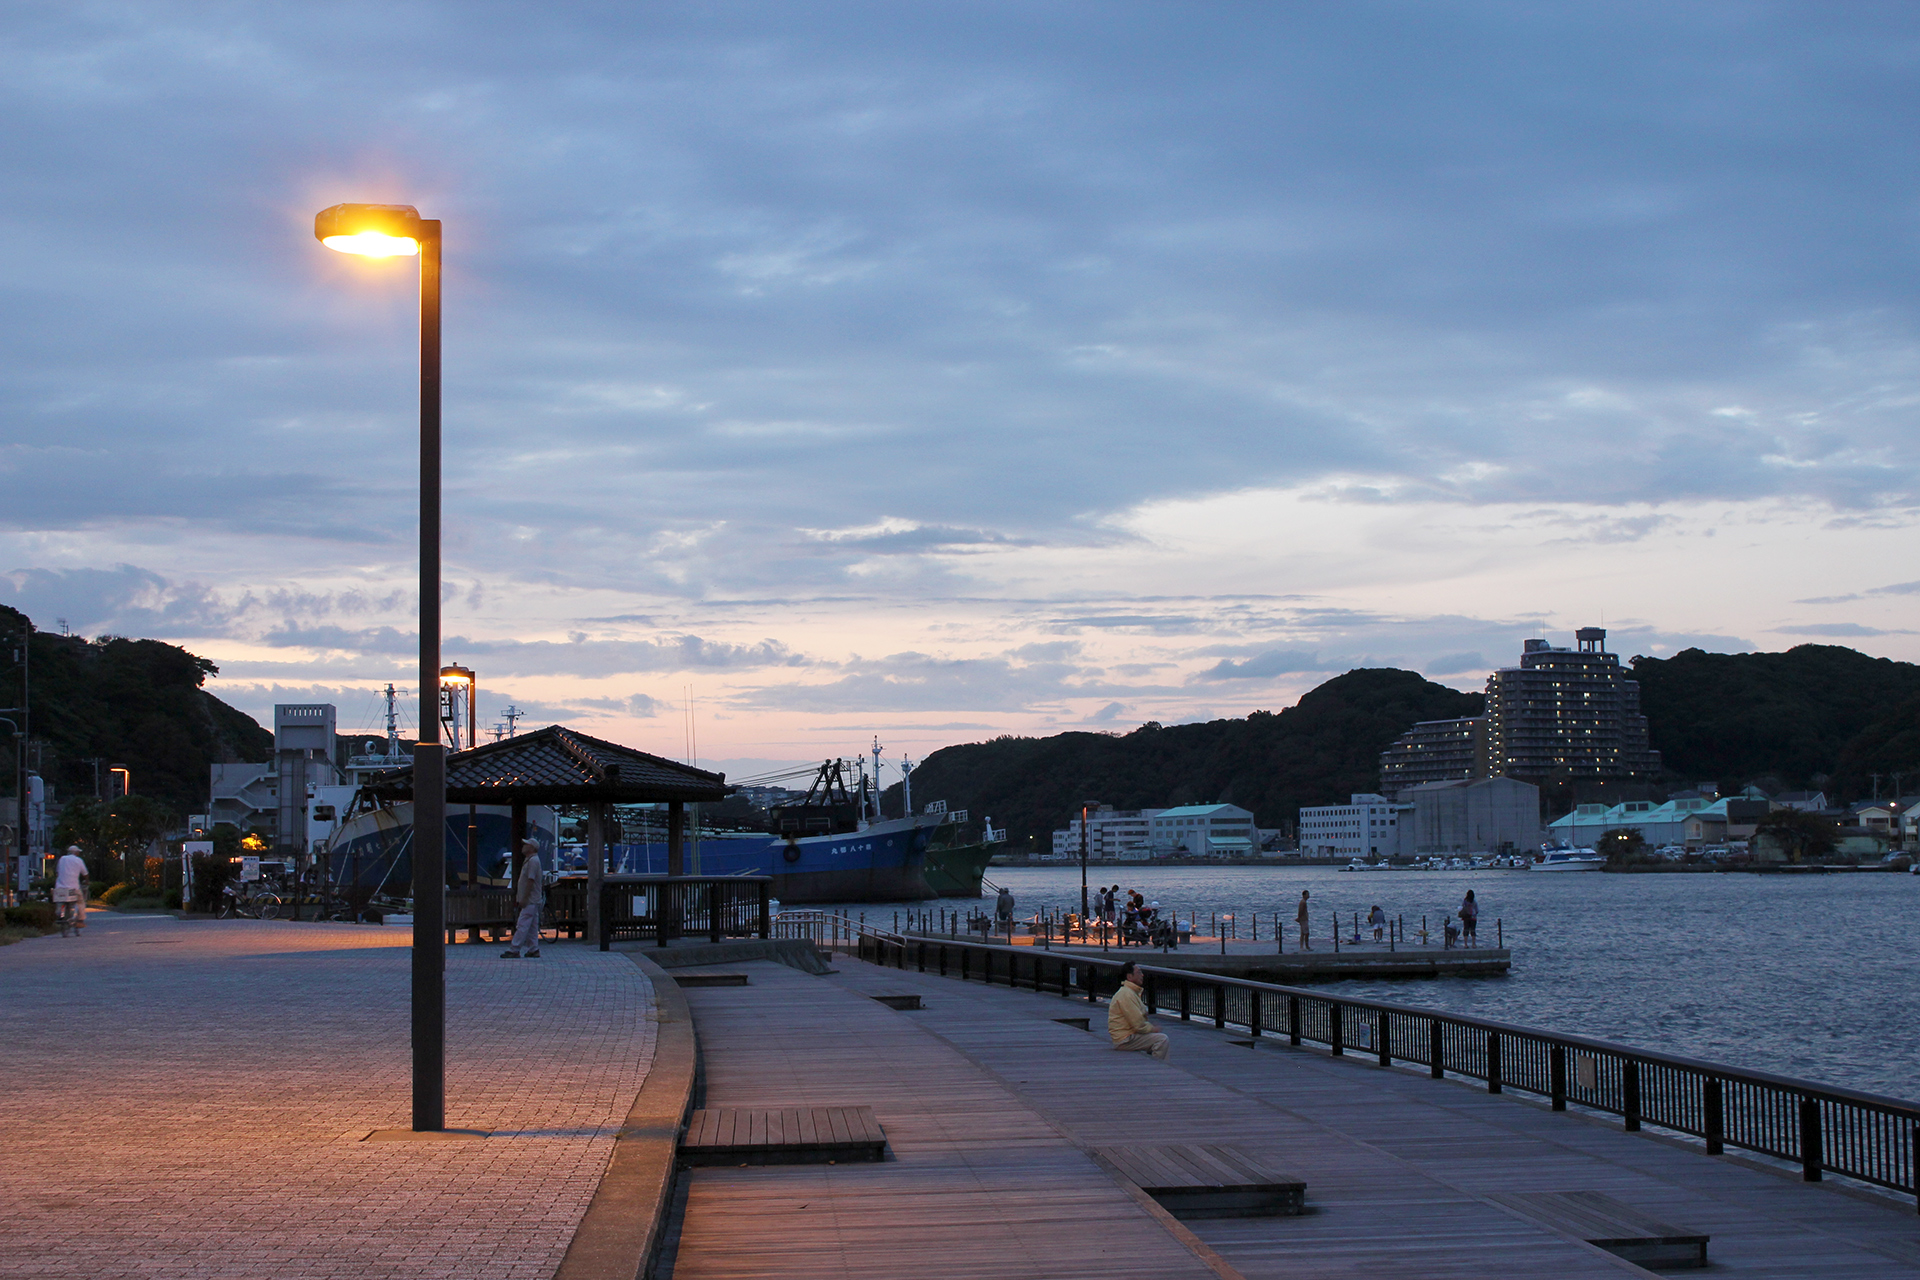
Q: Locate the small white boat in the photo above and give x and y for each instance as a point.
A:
(1360, 865)
(1567, 860)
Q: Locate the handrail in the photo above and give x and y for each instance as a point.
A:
(1822, 1128)
(812, 925)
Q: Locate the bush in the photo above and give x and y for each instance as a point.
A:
(210, 875)
(172, 901)
(112, 896)
(32, 915)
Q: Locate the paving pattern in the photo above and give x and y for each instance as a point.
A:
(188, 1099)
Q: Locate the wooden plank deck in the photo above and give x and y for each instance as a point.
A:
(784, 1135)
(1602, 1221)
(1195, 1180)
(1402, 1171)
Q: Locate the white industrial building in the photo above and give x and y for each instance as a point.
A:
(1204, 831)
(1112, 835)
(1368, 826)
(1489, 815)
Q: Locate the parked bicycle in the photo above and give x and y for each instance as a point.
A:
(253, 905)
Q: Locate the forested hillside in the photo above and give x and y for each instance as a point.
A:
(132, 702)
(1317, 752)
(1818, 715)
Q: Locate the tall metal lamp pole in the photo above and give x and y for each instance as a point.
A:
(387, 231)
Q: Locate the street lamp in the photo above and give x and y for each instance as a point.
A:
(125, 780)
(452, 677)
(389, 231)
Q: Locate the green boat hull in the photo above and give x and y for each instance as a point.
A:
(955, 872)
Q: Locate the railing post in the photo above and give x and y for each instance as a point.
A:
(1810, 1153)
(1383, 1038)
(1557, 1076)
(1714, 1105)
(1913, 1156)
(1630, 1093)
(1436, 1049)
(920, 954)
(713, 913)
(1153, 994)
(766, 909)
(1493, 1062)
(1293, 1019)
(943, 959)
(1336, 1024)
(1219, 1006)
(1186, 1000)
(1253, 1012)
(966, 954)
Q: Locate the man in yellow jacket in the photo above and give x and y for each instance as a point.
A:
(1127, 1019)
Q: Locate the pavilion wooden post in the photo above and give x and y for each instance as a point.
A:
(518, 837)
(676, 837)
(596, 867)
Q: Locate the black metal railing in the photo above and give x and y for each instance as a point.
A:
(1822, 1128)
(663, 908)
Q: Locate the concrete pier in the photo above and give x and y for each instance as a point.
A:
(1261, 962)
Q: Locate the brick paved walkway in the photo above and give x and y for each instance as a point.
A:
(185, 1100)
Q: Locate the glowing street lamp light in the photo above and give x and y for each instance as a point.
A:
(391, 231)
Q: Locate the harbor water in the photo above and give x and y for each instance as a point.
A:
(1804, 975)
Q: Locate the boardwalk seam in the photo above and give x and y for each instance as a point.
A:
(624, 1224)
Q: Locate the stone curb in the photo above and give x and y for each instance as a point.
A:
(627, 1219)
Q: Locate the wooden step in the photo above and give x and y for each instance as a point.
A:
(1193, 1180)
(900, 1002)
(1607, 1224)
(787, 1135)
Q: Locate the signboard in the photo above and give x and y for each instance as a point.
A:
(249, 869)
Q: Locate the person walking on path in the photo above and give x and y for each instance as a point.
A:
(530, 892)
(1127, 1019)
(70, 892)
(1378, 919)
(1469, 917)
(1301, 917)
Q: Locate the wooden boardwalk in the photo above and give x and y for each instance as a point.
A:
(1400, 1170)
(991, 1110)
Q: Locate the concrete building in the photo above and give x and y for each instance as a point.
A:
(1204, 831)
(1369, 826)
(1658, 824)
(1436, 751)
(1568, 715)
(1112, 835)
(277, 798)
(1486, 815)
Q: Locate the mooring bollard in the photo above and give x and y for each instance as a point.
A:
(1336, 933)
(1499, 933)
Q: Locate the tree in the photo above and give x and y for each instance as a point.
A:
(1798, 834)
(1622, 845)
(112, 837)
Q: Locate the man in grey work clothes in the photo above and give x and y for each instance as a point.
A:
(70, 892)
(530, 891)
(1127, 1019)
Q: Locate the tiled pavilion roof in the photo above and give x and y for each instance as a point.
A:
(557, 765)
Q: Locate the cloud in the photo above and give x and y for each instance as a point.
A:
(1456, 663)
(579, 656)
(1838, 630)
(1266, 666)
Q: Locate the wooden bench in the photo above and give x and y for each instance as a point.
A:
(710, 979)
(900, 1002)
(1605, 1223)
(790, 1135)
(1205, 1181)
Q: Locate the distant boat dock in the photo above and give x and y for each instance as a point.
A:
(1263, 962)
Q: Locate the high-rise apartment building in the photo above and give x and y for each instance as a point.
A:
(1562, 715)
(1568, 715)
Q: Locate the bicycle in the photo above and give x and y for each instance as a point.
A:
(258, 905)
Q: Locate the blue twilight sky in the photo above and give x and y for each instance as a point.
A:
(943, 370)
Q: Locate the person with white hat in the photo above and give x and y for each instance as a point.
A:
(70, 892)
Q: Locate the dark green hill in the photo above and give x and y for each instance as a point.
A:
(1795, 718)
(1317, 752)
(132, 702)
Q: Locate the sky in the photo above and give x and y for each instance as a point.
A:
(933, 372)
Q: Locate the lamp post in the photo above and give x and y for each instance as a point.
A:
(1083, 864)
(452, 677)
(388, 231)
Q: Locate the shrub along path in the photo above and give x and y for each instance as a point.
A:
(189, 1099)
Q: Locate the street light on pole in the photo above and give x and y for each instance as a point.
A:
(390, 231)
(1083, 864)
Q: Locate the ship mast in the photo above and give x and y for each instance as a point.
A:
(876, 777)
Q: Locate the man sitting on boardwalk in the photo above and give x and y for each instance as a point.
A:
(1127, 1019)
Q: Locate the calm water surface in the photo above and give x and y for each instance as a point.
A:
(1808, 976)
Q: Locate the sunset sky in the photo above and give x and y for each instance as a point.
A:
(939, 371)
